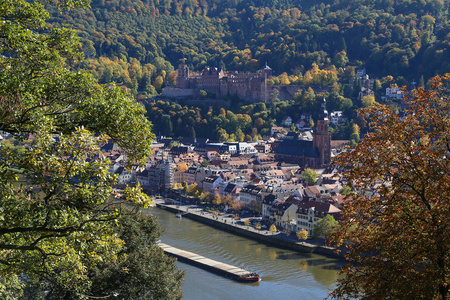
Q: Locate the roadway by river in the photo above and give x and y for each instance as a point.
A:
(285, 274)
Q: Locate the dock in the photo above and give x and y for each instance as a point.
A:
(208, 264)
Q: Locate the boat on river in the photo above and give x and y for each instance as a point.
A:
(250, 277)
(211, 265)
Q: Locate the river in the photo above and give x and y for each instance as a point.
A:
(285, 274)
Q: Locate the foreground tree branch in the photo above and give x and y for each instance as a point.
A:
(402, 252)
(57, 214)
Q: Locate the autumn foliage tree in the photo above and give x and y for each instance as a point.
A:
(397, 223)
(273, 228)
(302, 234)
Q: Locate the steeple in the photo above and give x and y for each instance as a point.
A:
(322, 137)
(323, 114)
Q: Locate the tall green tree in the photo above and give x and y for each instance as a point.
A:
(309, 175)
(397, 225)
(57, 217)
(324, 227)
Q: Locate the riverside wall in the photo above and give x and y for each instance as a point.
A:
(269, 239)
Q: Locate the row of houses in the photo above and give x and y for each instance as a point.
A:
(274, 189)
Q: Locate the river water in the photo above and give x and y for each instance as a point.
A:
(285, 274)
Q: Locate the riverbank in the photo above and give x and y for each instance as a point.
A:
(228, 224)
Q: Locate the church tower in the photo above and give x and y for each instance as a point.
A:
(322, 137)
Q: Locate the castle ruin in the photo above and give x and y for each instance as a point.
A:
(251, 87)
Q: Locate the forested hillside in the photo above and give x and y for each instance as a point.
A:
(387, 37)
(139, 43)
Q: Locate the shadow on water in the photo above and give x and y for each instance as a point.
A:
(318, 262)
(294, 256)
(332, 267)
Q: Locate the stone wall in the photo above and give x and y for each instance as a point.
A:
(174, 92)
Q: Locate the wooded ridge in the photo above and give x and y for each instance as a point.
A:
(139, 42)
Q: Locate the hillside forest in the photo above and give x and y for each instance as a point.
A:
(139, 44)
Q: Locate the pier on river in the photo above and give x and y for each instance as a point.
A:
(205, 263)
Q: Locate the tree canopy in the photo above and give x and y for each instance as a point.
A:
(396, 224)
(309, 175)
(302, 234)
(57, 219)
(324, 227)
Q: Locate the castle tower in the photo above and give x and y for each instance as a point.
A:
(322, 137)
(267, 71)
(183, 74)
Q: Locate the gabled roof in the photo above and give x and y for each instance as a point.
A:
(294, 200)
(143, 173)
(281, 208)
(192, 170)
(339, 199)
(119, 170)
(211, 179)
(324, 207)
(192, 141)
(297, 148)
(273, 173)
(269, 199)
(251, 189)
(312, 191)
(179, 149)
(229, 188)
(227, 176)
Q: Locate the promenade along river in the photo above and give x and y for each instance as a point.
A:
(285, 274)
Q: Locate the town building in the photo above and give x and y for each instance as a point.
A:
(143, 178)
(161, 174)
(309, 212)
(250, 196)
(211, 183)
(230, 189)
(337, 117)
(394, 92)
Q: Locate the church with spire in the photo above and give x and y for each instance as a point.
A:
(309, 153)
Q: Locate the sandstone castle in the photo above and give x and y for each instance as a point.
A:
(248, 86)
